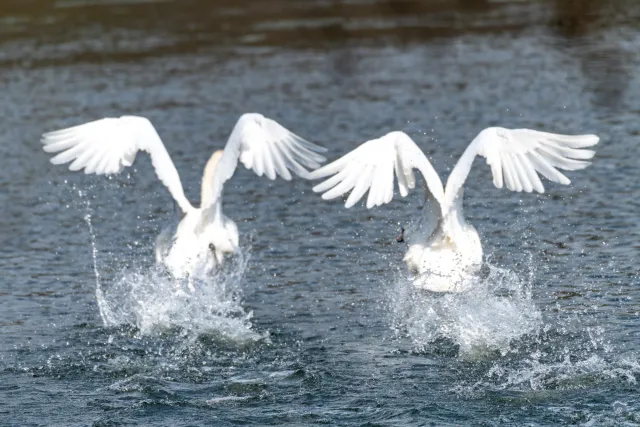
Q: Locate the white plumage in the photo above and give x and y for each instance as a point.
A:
(444, 250)
(205, 234)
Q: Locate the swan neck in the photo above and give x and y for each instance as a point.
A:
(454, 222)
(455, 187)
(463, 166)
(208, 177)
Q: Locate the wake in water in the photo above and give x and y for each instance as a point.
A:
(497, 310)
(535, 373)
(153, 301)
(558, 366)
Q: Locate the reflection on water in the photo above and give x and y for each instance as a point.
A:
(191, 24)
(580, 25)
(44, 32)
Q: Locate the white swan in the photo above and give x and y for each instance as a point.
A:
(205, 234)
(444, 250)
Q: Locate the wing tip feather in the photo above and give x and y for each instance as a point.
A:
(593, 139)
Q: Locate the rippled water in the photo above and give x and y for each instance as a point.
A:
(318, 324)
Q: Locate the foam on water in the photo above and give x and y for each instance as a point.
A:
(497, 310)
(541, 376)
(535, 374)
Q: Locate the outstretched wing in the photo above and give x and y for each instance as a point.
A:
(371, 167)
(267, 148)
(108, 145)
(517, 156)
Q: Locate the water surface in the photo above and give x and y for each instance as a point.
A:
(319, 325)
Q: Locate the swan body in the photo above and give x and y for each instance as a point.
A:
(204, 235)
(198, 246)
(445, 251)
(439, 264)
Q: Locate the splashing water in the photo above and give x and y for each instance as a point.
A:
(497, 310)
(536, 375)
(542, 372)
(104, 309)
(153, 301)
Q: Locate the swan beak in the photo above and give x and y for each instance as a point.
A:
(400, 238)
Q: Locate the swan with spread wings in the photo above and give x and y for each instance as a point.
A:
(444, 249)
(205, 234)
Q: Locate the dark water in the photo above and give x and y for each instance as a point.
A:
(321, 327)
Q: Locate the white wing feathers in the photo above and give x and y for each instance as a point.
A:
(371, 167)
(517, 156)
(108, 145)
(265, 147)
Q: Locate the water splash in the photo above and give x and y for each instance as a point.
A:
(104, 310)
(495, 312)
(536, 375)
(543, 374)
(151, 300)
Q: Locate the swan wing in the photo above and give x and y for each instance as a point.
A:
(108, 145)
(518, 156)
(372, 166)
(267, 148)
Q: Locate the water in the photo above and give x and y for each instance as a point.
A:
(318, 325)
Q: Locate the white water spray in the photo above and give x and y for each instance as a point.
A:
(104, 310)
(153, 301)
(497, 310)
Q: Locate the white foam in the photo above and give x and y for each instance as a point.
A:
(225, 399)
(533, 374)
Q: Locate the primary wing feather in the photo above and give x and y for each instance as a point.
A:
(372, 167)
(267, 148)
(517, 156)
(108, 145)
